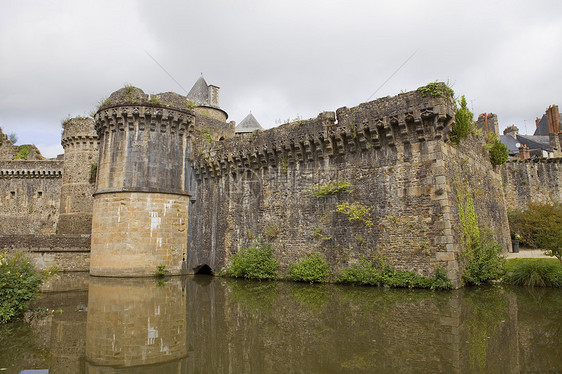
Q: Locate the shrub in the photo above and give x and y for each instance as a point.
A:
(535, 273)
(484, 262)
(379, 273)
(254, 262)
(332, 188)
(19, 282)
(311, 269)
(435, 89)
(160, 270)
(462, 126)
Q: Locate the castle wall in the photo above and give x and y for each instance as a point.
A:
(68, 252)
(140, 210)
(532, 180)
(29, 196)
(390, 150)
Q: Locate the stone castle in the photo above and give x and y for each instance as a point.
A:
(165, 180)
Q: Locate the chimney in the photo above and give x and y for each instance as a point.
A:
(553, 118)
(512, 131)
(214, 95)
(493, 124)
(524, 152)
(537, 121)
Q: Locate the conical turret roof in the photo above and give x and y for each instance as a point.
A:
(248, 124)
(200, 92)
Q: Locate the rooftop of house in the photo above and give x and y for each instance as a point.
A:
(533, 142)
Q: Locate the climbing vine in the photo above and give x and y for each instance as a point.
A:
(481, 252)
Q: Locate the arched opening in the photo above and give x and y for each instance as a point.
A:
(203, 270)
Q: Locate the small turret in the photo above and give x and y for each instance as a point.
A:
(206, 97)
(80, 143)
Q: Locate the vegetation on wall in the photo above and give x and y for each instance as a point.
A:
(190, 104)
(93, 173)
(19, 282)
(161, 270)
(254, 262)
(496, 149)
(480, 251)
(379, 273)
(332, 188)
(23, 152)
(436, 89)
(539, 226)
(356, 212)
(312, 269)
(207, 135)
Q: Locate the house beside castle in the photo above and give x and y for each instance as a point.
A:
(165, 180)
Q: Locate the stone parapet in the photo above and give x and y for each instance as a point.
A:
(406, 118)
(30, 169)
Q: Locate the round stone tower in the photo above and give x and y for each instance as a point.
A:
(141, 202)
(80, 143)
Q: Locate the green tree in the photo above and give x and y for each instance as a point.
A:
(463, 123)
(497, 150)
(544, 224)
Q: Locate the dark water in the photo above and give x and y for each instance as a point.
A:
(212, 325)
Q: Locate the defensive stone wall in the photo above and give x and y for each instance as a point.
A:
(533, 180)
(391, 151)
(67, 252)
(29, 196)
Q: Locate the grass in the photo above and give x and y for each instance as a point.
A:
(533, 272)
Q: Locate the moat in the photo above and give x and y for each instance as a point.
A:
(207, 324)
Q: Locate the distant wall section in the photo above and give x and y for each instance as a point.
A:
(532, 180)
(29, 196)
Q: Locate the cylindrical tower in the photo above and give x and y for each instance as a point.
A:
(140, 213)
(80, 143)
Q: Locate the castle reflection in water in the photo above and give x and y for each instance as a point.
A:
(213, 325)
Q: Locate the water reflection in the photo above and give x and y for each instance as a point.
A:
(136, 322)
(212, 325)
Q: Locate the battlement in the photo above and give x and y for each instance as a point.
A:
(144, 118)
(406, 118)
(30, 169)
(78, 126)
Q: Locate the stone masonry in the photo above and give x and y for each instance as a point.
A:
(159, 182)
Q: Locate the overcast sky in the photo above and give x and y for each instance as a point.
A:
(277, 59)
